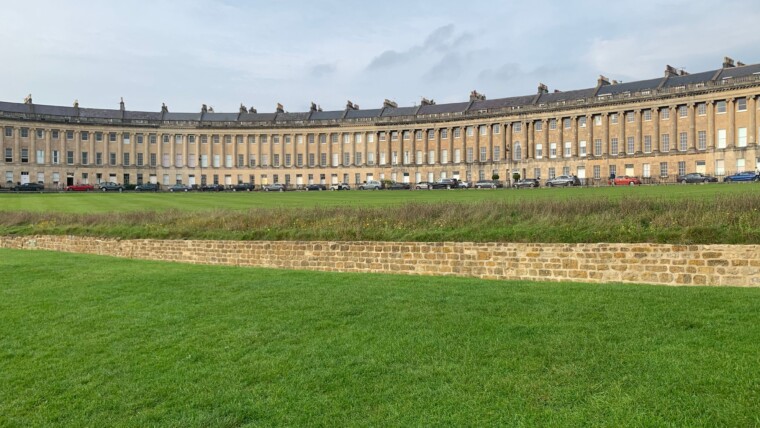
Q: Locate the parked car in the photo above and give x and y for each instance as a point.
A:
(28, 187)
(80, 188)
(423, 185)
(147, 187)
(563, 180)
(399, 186)
(743, 176)
(212, 188)
(110, 186)
(315, 186)
(340, 186)
(243, 187)
(527, 182)
(625, 181)
(371, 185)
(464, 184)
(446, 183)
(180, 188)
(696, 177)
(274, 187)
(487, 184)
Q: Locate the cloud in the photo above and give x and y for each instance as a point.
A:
(439, 43)
(322, 70)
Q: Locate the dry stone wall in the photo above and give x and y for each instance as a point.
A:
(716, 265)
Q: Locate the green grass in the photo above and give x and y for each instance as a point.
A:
(96, 202)
(712, 214)
(94, 341)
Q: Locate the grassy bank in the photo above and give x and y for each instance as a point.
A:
(702, 216)
(88, 340)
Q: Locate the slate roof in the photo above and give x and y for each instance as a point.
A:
(14, 107)
(327, 115)
(443, 108)
(742, 71)
(363, 114)
(674, 81)
(182, 117)
(554, 97)
(632, 87)
(100, 113)
(56, 110)
(498, 103)
(399, 111)
(220, 117)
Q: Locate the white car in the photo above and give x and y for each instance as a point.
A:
(340, 186)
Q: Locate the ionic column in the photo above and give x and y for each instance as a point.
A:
(691, 145)
(623, 142)
(637, 142)
(731, 122)
(711, 125)
(656, 130)
(673, 128)
(752, 106)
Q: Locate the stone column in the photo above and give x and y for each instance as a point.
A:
(730, 105)
(623, 142)
(691, 145)
(574, 150)
(77, 148)
(48, 148)
(656, 130)
(590, 134)
(527, 138)
(606, 134)
(673, 128)
(638, 141)
(711, 125)
(752, 107)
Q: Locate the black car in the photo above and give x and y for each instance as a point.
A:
(111, 187)
(445, 183)
(147, 187)
(527, 182)
(316, 186)
(243, 187)
(212, 188)
(696, 177)
(28, 187)
(398, 186)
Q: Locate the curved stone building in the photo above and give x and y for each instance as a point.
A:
(654, 129)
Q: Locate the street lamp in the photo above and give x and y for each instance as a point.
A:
(200, 164)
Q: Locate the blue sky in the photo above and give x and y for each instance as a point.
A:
(223, 53)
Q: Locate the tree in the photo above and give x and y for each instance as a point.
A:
(515, 176)
(495, 176)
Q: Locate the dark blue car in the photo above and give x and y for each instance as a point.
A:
(742, 176)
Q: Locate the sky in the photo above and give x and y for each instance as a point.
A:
(260, 53)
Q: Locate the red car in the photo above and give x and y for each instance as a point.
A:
(625, 181)
(80, 188)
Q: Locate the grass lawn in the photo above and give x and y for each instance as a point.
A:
(681, 214)
(94, 341)
(97, 202)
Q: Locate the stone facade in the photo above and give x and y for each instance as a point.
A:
(654, 129)
(711, 265)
